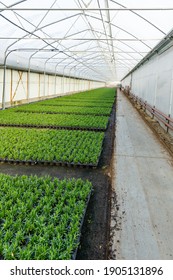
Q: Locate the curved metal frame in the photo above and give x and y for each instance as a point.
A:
(111, 56)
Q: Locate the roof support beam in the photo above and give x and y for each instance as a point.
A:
(87, 9)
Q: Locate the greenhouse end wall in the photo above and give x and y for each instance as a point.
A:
(22, 86)
(153, 81)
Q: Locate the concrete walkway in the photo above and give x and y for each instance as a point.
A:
(142, 218)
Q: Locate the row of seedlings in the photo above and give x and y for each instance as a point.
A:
(78, 146)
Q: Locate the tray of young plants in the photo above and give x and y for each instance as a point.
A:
(98, 97)
(76, 103)
(61, 101)
(71, 99)
(47, 146)
(79, 102)
(36, 108)
(41, 217)
(89, 122)
(99, 94)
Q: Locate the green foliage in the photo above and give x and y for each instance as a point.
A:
(40, 217)
(90, 109)
(65, 120)
(102, 97)
(77, 108)
(50, 145)
(60, 146)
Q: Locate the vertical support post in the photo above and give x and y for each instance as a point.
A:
(39, 85)
(48, 84)
(4, 87)
(153, 109)
(11, 87)
(55, 84)
(62, 84)
(44, 90)
(28, 83)
(27, 86)
(167, 128)
(4, 77)
(69, 83)
(29, 77)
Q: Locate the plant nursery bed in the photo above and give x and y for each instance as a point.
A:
(66, 109)
(94, 233)
(33, 146)
(8, 117)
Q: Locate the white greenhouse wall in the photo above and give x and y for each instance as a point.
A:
(153, 81)
(22, 87)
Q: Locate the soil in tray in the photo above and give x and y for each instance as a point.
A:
(94, 242)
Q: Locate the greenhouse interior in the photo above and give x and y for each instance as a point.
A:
(86, 129)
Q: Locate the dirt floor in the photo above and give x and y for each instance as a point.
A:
(95, 231)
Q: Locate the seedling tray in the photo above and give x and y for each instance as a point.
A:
(62, 113)
(47, 163)
(87, 106)
(81, 225)
(53, 163)
(56, 127)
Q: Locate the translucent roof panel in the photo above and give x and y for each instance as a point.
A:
(94, 39)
